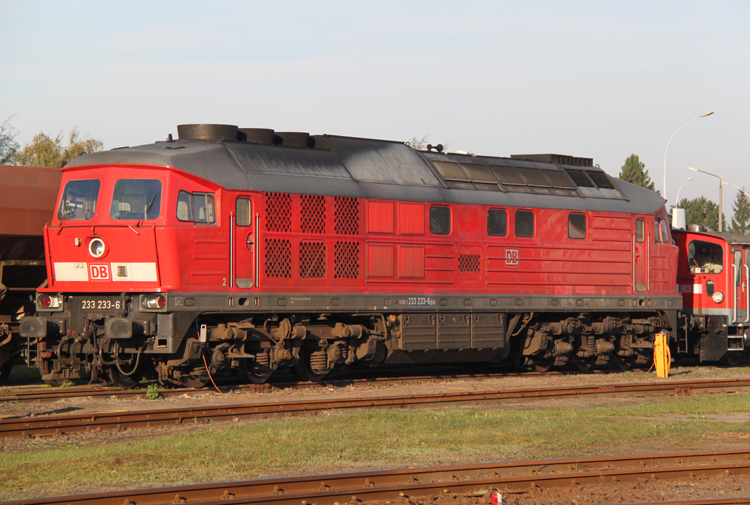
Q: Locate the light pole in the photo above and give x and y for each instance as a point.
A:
(664, 185)
(720, 190)
(677, 199)
(736, 187)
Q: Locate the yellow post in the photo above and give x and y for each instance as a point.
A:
(662, 356)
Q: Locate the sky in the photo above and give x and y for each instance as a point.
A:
(602, 80)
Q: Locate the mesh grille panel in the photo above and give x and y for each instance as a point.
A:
(313, 216)
(347, 260)
(278, 258)
(279, 212)
(468, 263)
(312, 259)
(346, 214)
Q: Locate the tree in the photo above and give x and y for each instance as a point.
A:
(741, 219)
(45, 151)
(8, 144)
(634, 171)
(702, 211)
(418, 144)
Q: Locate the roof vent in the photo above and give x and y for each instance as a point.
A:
(557, 159)
(296, 139)
(258, 136)
(207, 132)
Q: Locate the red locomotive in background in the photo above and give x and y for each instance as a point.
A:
(246, 251)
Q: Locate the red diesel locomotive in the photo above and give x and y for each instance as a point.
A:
(245, 250)
(713, 276)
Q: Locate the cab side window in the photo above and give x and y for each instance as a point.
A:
(665, 232)
(196, 208)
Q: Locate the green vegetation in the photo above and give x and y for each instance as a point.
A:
(21, 374)
(353, 441)
(634, 171)
(152, 392)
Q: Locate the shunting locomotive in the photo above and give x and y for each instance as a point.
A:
(242, 252)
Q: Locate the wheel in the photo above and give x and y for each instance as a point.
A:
(5, 372)
(48, 375)
(253, 372)
(541, 365)
(120, 379)
(733, 358)
(583, 365)
(624, 363)
(311, 365)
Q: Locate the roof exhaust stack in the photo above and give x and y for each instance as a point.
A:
(207, 132)
(678, 218)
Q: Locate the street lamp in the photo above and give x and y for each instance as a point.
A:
(736, 187)
(720, 190)
(677, 200)
(664, 185)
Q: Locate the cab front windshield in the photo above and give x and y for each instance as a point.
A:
(705, 257)
(136, 199)
(78, 202)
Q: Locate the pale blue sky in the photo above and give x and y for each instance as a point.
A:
(592, 79)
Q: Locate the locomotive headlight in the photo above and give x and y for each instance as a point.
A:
(718, 297)
(154, 302)
(49, 301)
(97, 248)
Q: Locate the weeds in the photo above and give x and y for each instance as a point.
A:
(152, 392)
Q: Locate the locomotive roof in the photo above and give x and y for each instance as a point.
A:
(730, 238)
(369, 168)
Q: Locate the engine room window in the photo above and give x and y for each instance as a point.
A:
(657, 232)
(497, 222)
(577, 226)
(243, 209)
(524, 223)
(440, 220)
(705, 257)
(196, 207)
(136, 199)
(78, 201)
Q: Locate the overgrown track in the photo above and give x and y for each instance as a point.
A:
(118, 421)
(476, 479)
(36, 394)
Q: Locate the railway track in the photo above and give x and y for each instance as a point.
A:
(24, 394)
(476, 479)
(119, 421)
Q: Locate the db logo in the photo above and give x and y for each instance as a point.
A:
(99, 272)
(511, 257)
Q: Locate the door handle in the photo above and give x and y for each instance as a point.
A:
(249, 242)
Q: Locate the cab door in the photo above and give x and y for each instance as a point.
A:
(640, 255)
(244, 247)
(740, 285)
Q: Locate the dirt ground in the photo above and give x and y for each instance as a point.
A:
(642, 491)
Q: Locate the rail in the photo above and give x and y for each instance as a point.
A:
(476, 480)
(119, 421)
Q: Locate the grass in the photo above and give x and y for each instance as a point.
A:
(21, 374)
(345, 442)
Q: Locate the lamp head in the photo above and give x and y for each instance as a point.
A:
(693, 169)
(707, 113)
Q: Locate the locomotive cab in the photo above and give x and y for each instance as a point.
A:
(713, 275)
